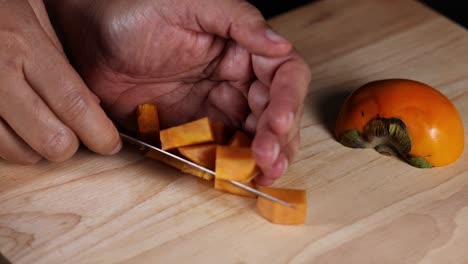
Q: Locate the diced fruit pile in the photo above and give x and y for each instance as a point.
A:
(204, 143)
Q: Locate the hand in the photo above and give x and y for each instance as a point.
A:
(45, 108)
(194, 59)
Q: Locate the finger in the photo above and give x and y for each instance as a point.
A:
(293, 147)
(43, 19)
(34, 122)
(292, 141)
(279, 167)
(242, 22)
(250, 124)
(265, 145)
(288, 80)
(62, 89)
(273, 172)
(234, 67)
(14, 149)
(258, 97)
(272, 163)
(230, 101)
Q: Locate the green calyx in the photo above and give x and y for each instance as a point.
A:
(388, 136)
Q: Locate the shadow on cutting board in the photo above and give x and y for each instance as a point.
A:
(328, 106)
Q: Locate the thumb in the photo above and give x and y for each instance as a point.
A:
(243, 23)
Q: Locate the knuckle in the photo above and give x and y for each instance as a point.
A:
(59, 145)
(74, 106)
(15, 48)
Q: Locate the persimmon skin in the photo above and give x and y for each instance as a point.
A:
(431, 119)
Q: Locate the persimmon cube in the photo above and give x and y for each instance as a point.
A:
(178, 165)
(204, 154)
(148, 122)
(165, 159)
(218, 132)
(240, 140)
(226, 186)
(235, 163)
(196, 172)
(195, 132)
(280, 214)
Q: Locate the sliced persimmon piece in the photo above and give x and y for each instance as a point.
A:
(226, 186)
(203, 154)
(196, 172)
(235, 163)
(240, 140)
(148, 122)
(218, 132)
(280, 214)
(165, 159)
(192, 133)
(178, 165)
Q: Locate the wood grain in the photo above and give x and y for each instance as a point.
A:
(363, 207)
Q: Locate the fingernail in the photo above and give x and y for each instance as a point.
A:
(116, 149)
(275, 37)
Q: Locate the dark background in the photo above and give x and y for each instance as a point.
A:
(452, 9)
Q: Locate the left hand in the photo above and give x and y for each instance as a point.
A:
(193, 58)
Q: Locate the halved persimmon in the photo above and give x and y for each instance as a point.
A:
(405, 118)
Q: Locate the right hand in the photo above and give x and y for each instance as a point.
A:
(45, 107)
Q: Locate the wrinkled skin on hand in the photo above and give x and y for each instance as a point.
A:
(45, 107)
(194, 59)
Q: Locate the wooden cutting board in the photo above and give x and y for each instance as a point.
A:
(363, 207)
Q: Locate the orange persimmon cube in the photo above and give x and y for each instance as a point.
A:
(218, 132)
(196, 172)
(240, 140)
(235, 163)
(192, 133)
(226, 186)
(178, 164)
(280, 214)
(204, 154)
(165, 159)
(148, 122)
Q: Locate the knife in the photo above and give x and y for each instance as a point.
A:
(145, 146)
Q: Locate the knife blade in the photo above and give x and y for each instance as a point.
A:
(145, 146)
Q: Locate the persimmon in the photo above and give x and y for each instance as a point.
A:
(228, 187)
(280, 214)
(155, 155)
(402, 117)
(235, 163)
(183, 167)
(218, 132)
(196, 172)
(202, 142)
(240, 140)
(148, 122)
(203, 154)
(195, 132)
